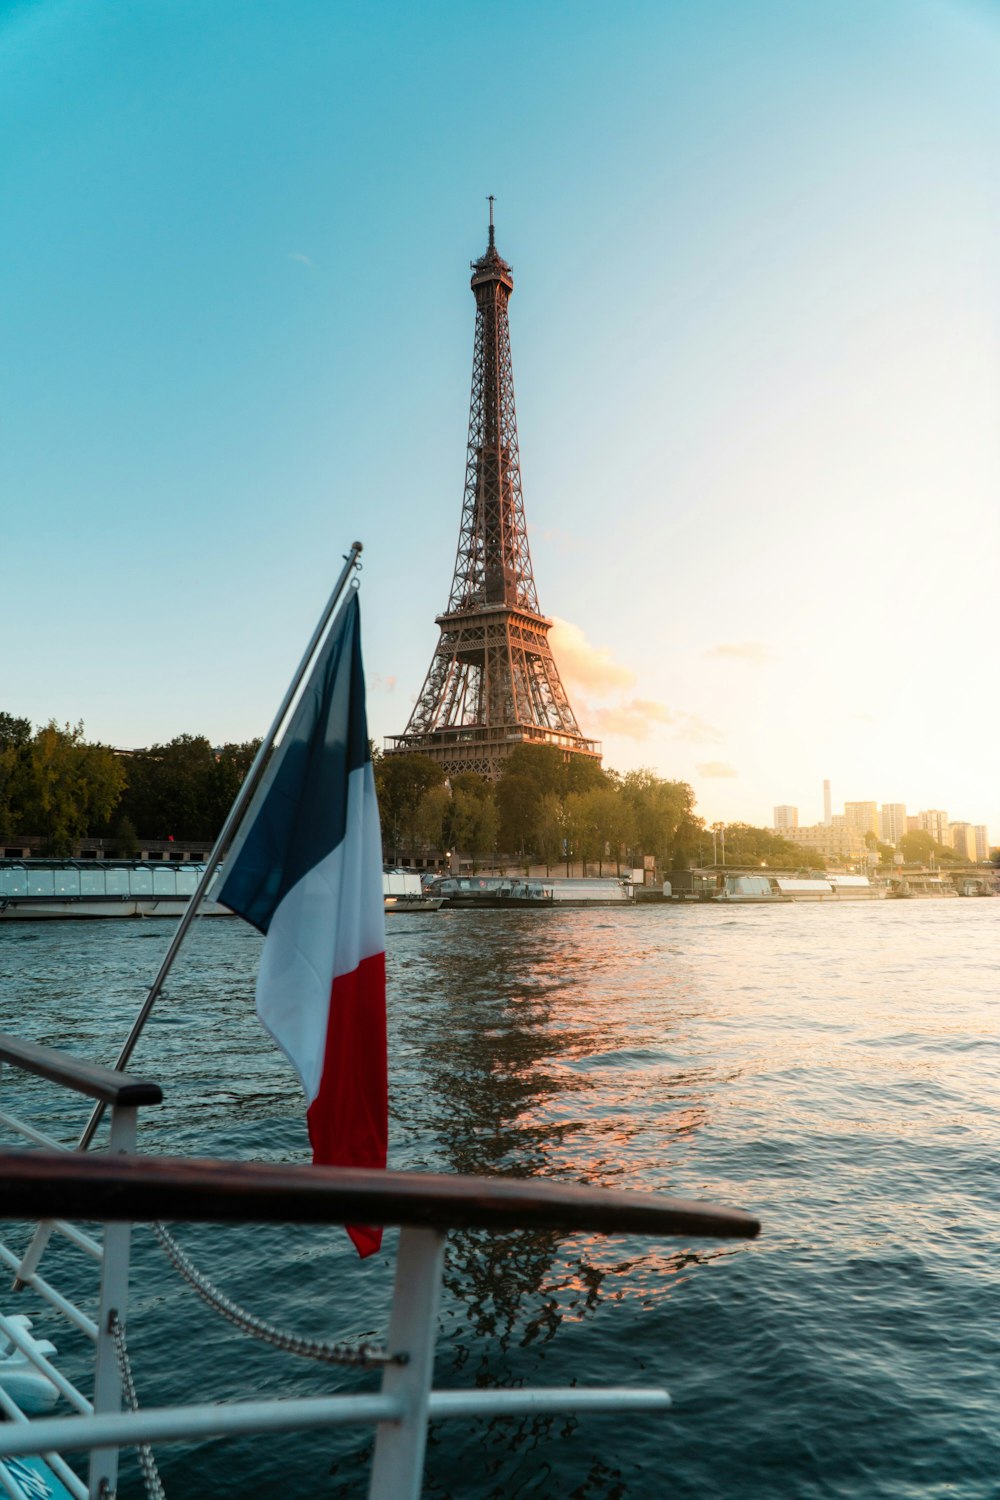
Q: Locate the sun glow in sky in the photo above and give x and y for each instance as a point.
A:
(755, 325)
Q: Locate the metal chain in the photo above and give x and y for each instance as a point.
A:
(147, 1463)
(364, 1354)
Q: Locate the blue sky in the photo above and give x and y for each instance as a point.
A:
(755, 330)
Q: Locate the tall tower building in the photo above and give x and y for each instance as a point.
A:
(862, 816)
(935, 822)
(892, 821)
(785, 817)
(827, 805)
(493, 683)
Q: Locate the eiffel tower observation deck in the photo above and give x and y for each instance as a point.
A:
(493, 683)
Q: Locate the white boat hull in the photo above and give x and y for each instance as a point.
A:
(47, 908)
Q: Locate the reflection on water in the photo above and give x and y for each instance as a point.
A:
(835, 1070)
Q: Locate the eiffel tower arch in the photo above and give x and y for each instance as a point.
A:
(493, 683)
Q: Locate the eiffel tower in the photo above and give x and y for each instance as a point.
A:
(493, 683)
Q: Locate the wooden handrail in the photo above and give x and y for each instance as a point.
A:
(43, 1185)
(73, 1073)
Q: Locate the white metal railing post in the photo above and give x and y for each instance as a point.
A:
(103, 1476)
(30, 1260)
(398, 1466)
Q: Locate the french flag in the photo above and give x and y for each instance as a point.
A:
(306, 870)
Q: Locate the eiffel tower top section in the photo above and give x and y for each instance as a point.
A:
(493, 683)
(493, 564)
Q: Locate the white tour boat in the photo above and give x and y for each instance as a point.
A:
(39, 890)
(756, 889)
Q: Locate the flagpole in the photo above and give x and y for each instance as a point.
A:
(233, 817)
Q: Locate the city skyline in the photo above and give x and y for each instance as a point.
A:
(888, 820)
(755, 337)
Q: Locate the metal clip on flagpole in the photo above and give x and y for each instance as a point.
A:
(32, 1256)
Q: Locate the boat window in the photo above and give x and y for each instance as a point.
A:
(40, 883)
(165, 882)
(67, 882)
(13, 882)
(91, 882)
(187, 880)
(140, 882)
(116, 882)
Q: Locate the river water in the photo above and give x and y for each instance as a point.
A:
(834, 1070)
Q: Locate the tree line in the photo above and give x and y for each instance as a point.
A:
(57, 785)
(544, 809)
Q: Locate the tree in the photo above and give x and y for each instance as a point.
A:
(14, 733)
(400, 782)
(15, 737)
(125, 842)
(581, 774)
(660, 808)
(580, 829)
(919, 848)
(474, 819)
(688, 837)
(548, 831)
(613, 820)
(68, 785)
(517, 798)
(748, 845)
(228, 774)
(174, 789)
(541, 765)
(432, 817)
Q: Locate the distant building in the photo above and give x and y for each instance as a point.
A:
(785, 817)
(840, 843)
(963, 840)
(892, 822)
(862, 817)
(912, 823)
(838, 821)
(982, 842)
(827, 805)
(935, 822)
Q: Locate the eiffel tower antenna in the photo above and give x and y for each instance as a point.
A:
(493, 683)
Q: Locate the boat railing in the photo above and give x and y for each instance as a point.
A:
(117, 1187)
(122, 1095)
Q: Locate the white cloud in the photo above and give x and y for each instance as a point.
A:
(590, 667)
(636, 718)
(752, 651)
(716, 768)
(592, 672)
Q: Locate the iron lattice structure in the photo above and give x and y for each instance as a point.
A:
(493, 683)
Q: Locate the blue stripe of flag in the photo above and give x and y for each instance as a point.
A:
(298, 814)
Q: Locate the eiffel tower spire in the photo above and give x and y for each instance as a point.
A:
(493, 682)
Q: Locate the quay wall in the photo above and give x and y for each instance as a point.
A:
(174, 851)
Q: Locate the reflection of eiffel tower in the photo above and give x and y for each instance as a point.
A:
(493, 683)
